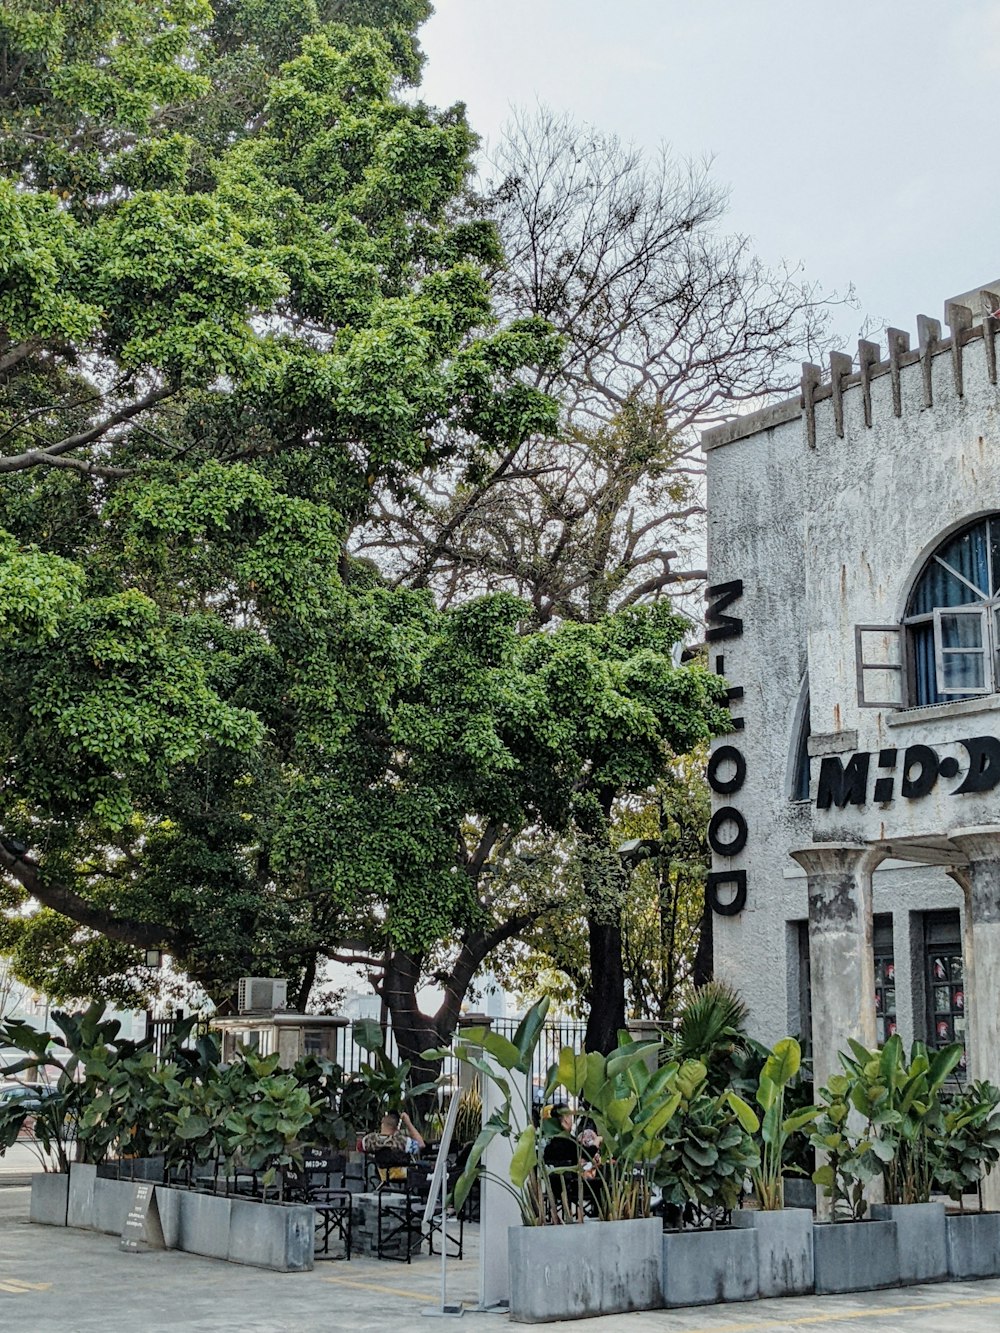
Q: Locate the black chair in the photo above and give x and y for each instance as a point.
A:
(451, 1228)
(322, 1183)
(399, 1233)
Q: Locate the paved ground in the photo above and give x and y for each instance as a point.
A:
(60, 1281)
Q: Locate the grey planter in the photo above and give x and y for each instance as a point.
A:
(799, 1192)
(855, 1256)
(112, 1201)
(132, 1168)
(923, 1254)
(80, 1210)
(593, 1268)
(49, 1198)
(272, 1235)
(168, 1205)
(709, 1267)
(784, 1249)
(973, 1244)
(203, 1224)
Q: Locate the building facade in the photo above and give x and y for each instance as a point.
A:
(854, 607)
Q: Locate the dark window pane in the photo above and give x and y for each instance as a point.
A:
(964, 671)
(962, 631)
(937, 586)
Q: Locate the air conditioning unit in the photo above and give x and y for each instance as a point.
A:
(259, 995)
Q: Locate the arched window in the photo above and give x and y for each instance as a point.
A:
(953, 617)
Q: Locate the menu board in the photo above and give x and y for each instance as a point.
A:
(142, 1229)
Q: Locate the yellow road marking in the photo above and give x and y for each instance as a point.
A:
(378, 1286)
(837, 1316)
(17, 1286)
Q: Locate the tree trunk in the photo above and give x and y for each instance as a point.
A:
(607, 986)
(414, 1031)
(704, 958)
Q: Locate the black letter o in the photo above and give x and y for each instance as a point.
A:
(726, 754)
(724, 816)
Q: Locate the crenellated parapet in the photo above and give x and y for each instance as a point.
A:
(973, 316)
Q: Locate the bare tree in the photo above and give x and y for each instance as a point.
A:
(669, 326)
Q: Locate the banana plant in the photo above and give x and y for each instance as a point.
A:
(776, 1128)
(507, 1065)
(631, 1100)
(629, 1097)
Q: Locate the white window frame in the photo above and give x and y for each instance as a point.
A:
(862, 665)
(987, 651)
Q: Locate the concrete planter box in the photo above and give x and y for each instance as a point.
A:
(112, 1200)
(855, 1256)
(923, 1255)
(277, 1236)
(49, 1199)
(593, 1268)
(799, 1192)
(973, 1244)
(203, 1224)
(709, 1267)
(133, 1168)
(80, 1210)
(272, 1235)
(784, 1249)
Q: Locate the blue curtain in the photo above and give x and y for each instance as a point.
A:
(922, 646)
(967, 553)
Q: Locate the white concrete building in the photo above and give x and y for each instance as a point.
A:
(854, 607)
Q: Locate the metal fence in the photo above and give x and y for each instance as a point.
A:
(556, 1033)
(350, 1055)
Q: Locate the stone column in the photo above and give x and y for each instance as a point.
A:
(841, 966)
(980, 881)
(841, 962)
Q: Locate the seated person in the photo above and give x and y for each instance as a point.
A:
(396, 1134)
(561, 1150)
(577, 1160)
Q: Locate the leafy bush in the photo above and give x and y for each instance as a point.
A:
(969, 1147)
(851, 1156)
(902, 1105)
(710, 1149)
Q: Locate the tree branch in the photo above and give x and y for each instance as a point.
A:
(38, 457)
(141, 934)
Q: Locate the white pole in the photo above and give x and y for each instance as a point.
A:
(439, 1189)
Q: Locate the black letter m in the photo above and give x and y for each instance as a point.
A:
(721, 595)
(842, 786)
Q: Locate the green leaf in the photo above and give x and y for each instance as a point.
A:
(744, 1112)
(529, 1030)
(523, 1160)
(784, 1061)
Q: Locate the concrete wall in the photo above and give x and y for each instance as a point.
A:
(827, 520)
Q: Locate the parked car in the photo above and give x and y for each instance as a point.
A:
(28, 1095)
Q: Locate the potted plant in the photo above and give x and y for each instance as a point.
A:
(561, 1268)
(965, 1153)
(902, 1102)
(784, 1235)
(849, 1257)
(701, 1173)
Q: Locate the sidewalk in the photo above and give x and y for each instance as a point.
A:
(59, 1281)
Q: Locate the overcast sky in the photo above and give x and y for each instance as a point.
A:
(859, 138)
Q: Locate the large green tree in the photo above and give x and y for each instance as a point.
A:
(214, 342)
(244, 296)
